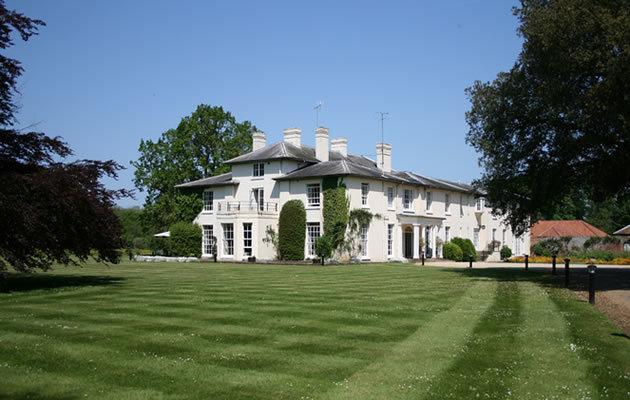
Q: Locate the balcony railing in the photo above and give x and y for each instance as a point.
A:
(237, 207)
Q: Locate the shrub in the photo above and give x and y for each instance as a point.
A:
(323, 247)
(451, 251)
(185, 239)
(335, 211)
(467, 247)
(506, 252)
(292, 231)
(539, 249)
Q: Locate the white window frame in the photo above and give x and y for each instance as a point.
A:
(447, 204)
(429, 201)
(208, 200)
(259, 169)
(228, 239)
(479, 204)
(364, 240)
(503, 237)
(313, 232)
(365, 191)
(390, 197)
(476, 238)
(259, 198)
(408, 199)
(313, 200)
(248, 239)
(208, 239)
(390, 240)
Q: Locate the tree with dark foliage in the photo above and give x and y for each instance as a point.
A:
(559, 121)
(50, 210)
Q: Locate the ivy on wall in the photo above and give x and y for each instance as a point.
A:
(335, 210)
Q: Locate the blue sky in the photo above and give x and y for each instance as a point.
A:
(104, 75)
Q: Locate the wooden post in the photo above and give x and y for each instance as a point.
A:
(591, 283)
(553, 264)
(526, 262)
(566, 272)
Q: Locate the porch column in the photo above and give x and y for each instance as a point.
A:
(399, 242)
(416, 242)
(433, 240)
(423, 235)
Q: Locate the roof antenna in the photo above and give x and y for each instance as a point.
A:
(317, 108)
(383, 116)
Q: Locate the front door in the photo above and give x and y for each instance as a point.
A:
(408, 240)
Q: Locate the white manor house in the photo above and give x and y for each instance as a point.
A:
(240, 205)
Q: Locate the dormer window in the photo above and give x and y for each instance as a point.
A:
(259, 169)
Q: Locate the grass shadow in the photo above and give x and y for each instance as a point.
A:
(605, 278)
(19, 282)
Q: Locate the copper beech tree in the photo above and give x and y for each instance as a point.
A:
(51, 209)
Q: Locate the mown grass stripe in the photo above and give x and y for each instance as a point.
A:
(404, 371)
(485, 366)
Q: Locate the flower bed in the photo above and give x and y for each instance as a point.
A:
(560, 260)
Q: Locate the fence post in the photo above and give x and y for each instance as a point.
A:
(591, 283)
(526, 262)
(566, 272)
(422, 258)
(470, 261)
(553, 264)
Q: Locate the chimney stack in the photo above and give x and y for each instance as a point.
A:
(321, 144)
(293, 136)
(340, 145)
(259, 140)
(384, 156)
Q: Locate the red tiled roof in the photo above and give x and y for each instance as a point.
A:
(577, 228)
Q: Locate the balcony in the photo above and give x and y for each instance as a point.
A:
(246, 207)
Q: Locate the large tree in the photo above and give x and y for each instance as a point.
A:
(51, 210)
(197, 148)
(559, 121)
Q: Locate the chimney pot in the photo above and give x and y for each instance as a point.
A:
(259, 140)
(340, 145)
(321, 144)
(293, 136)
(384, 156)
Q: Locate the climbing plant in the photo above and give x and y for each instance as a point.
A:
(335, 210)
(292, 231)
(357, 218)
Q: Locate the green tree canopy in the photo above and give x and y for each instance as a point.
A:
(196, 149)
(560, 118)
(52, 210)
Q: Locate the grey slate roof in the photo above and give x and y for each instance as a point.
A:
(340, 167)
(277, 151)
(218, 180)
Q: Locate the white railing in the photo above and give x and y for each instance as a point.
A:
(236, 207)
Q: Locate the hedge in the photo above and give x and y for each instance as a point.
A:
(185, 239)
(467, 247)
(451, 251)
(292, 231)
(335, 211)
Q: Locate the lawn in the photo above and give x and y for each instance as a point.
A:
(212, 331)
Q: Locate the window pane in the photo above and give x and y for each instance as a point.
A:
(208, 239)
(312, 233)
(247, 238)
